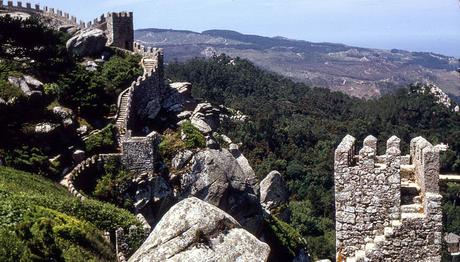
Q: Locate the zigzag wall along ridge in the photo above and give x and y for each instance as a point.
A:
(46, 11)
(60, 15)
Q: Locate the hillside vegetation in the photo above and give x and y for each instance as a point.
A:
(294, 129)
(361, 72)
(41, 221)
(90, 94)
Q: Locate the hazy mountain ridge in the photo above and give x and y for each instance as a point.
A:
(357, 71)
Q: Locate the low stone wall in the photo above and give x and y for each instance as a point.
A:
(82, 169)
(121, 239)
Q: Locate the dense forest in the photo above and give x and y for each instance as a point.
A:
(294, 129)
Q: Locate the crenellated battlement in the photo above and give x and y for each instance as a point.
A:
(120, 14)
(120, 29)
(34, 9)
(118, 26)
(425, 164)
(149, 52)
(373, 193)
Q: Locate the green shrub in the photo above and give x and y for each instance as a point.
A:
(112, 187)
(104, 141)
(19, 191)
(194, 138)
(51, 89)
(83, 90)
(8, 91)
(46, 56)
(31, 160)
(94, 92)
(287, 236)
(48, 235)
(120, 71)
(171, 144)
(11, 247)
(41, 221)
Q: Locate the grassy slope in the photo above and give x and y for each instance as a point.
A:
(39, 219)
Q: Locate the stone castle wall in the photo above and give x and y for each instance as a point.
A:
(144, 95)
(120, 30)
(84, 169)
(139, 154)
(146, 100)
(372, 223)
(142, 102)
(117, 26)
(61, 17)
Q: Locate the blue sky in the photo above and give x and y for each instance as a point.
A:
(417, 25)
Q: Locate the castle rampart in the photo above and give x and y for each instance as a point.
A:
(118, 26)
(388, 206)
(60, 17)
(120, 30)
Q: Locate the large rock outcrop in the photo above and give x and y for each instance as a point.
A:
(87, 43)
(28, 85)
(205, 118)
(273, 191)
(226, 181)
(193, 230)
(153, 196)
(178, 97)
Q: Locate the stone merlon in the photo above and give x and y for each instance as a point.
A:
(388, 206)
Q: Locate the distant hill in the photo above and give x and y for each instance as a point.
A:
(361, 72)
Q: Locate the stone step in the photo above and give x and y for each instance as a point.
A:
(388, 231)
(396, 223)
(351, 259)
(370, 247)
(360, 255)
(413, 208)
(379, 239)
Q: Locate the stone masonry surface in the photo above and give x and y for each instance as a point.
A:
(388, 207)
(120, 30)
(57, 15)
(118, 26)
(139, 102)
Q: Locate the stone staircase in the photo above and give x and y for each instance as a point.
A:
(375, 244)
(122, 112)
(413, 210)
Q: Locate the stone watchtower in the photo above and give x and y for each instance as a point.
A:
(388, 207)
(120, 30)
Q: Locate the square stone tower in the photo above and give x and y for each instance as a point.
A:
(120, 30)
(388, 207)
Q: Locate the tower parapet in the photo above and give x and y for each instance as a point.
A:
(387, 206)
(120, 30)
